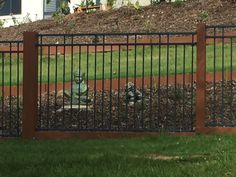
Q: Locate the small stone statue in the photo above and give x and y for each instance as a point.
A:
(133, 95)
(78, 94)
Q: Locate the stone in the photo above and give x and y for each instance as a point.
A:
(133, 95)
(79, 107)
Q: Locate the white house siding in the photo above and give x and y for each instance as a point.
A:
(118, 3)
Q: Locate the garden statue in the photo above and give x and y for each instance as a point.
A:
(132, 94)
(79, 90)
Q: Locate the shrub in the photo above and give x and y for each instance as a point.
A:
(2, 22)
(203, 15)
(111, 2)
(178, 3)
(89, 3)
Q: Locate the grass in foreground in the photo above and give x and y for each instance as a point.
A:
(138, 62)
(162, 156)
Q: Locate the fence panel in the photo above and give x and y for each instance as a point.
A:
(136, 82)
(221, 75)
(10, 88)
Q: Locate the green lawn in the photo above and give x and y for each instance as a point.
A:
(144, 60)
(161, 156)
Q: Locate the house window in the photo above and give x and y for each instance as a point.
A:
(51, 6)
(8, 7)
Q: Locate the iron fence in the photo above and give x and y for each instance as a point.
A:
(123, 82)
(10, 90)
(158, 68)
(221, 85)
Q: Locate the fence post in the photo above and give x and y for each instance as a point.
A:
(201, 77)
(30, 85)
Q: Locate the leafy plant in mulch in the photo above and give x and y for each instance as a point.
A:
(204, 15)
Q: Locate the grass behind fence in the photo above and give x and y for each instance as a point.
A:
(164, 60)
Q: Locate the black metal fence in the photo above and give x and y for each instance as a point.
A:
(119, 82)
(160, 66)
(221, 84)
(10, 88)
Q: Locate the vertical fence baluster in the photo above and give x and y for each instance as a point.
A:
(103, 75)
(135, 78)
(151, 90)
(159, 83)
(64, 75)
(110, 107)
(118, 109)
(95, 85)
(10, 95)
(127, 75)
(214, 78)
(223, 79)
(71, 76)
(167, 81)
(175, 87)
(184, 123)
(231, 80)
(3, 93)
(87, 80)
(80, 116)
(192, 87)
(18, 91)
(56, 89)
(40, 82)
(143, 71)
(48, 89)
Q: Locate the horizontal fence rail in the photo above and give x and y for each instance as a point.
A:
(10, 88)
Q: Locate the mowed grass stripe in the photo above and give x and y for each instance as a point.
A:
(190, 54)
(211, 156)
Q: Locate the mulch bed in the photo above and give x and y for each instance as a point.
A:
(110, 111)
(165, 17)
(174, 111)
(221, 101)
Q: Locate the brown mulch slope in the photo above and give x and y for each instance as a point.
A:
(163, 17)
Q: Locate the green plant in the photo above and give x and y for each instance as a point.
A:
(111, 2)
(178, 3)
(156, 2)
(137, 5)
(59, 18)
(63, 8)
(147, 25)
(203, 15)
(2, 22)
(85, 3)
(129, 3)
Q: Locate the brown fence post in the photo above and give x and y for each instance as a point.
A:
(30, 85)
(201, 77)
